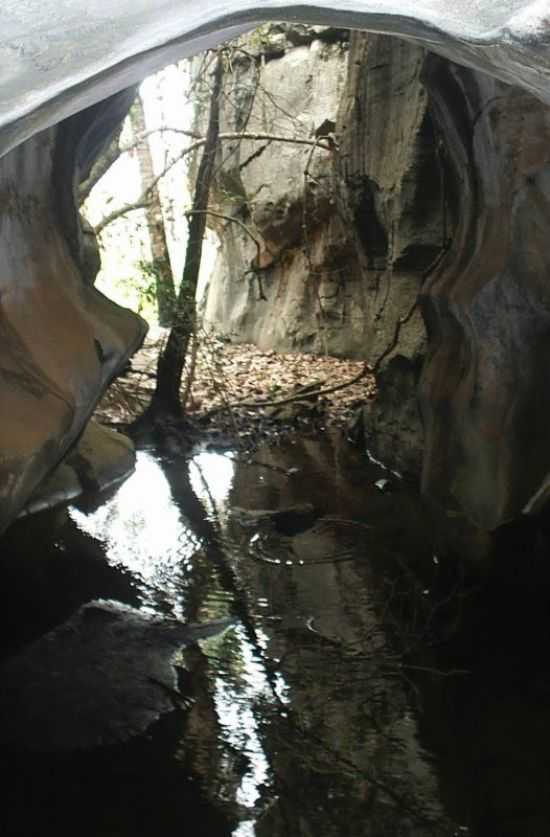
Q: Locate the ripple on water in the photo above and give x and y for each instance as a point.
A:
(329, 707)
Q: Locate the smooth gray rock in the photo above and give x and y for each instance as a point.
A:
(59, 57)
(102, 677)
(101, 459)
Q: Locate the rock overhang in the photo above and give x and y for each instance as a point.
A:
(57, 58)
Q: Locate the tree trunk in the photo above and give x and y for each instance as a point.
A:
(161, 267)
(166, 398)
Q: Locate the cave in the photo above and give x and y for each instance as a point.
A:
(411, 685)
(482, 391)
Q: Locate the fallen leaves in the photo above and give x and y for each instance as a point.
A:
(228, 375)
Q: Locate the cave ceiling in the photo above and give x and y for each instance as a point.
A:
(60, 56)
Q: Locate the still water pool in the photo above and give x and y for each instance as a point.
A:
(361, 681)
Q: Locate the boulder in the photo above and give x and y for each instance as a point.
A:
(103, 676)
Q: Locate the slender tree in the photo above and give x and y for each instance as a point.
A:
(166, 398)
(160, 265)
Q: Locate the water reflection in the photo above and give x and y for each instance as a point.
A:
(340, 701)
(289, 686)
(211, 478)
(145, 531)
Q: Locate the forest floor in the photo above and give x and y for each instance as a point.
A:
(239, 392)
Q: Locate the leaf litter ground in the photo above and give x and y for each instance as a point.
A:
(232, 381)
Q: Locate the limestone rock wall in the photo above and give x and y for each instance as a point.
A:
(485, 387)
(345, 251)
(391, 191)
(62, 341)
(291, 287)
(344, 234)
(420, 244)
(466, 405)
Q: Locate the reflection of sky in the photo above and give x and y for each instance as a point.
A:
(143, 531)
(240, 726)
(142, 527)
(211, 476)
(245, 829)
(239, 717)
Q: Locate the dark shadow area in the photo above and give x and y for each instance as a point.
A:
(371, 683)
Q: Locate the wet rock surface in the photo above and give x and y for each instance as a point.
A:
(461, 388)
(101, 677)
(482, 388)
(101, 459)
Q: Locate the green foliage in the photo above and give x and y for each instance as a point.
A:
(147, 284)
(157, 290)
(136, 291)
(260, 37)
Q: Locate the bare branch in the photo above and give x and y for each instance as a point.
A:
(230, 136)
(141, 203)
(143, 198)
(232, 220)
(164, 129)
(246, 229)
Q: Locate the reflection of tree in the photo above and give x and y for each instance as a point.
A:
(211, 592)
(342, 729)
(344, 733)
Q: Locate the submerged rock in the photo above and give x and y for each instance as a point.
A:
(102, 677)
(286, 521)
(101, 459)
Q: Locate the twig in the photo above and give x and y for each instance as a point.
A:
(220, 390)
(249, 233)
(395, 340)
(143, 199)
(452, 672)
(142, 203)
